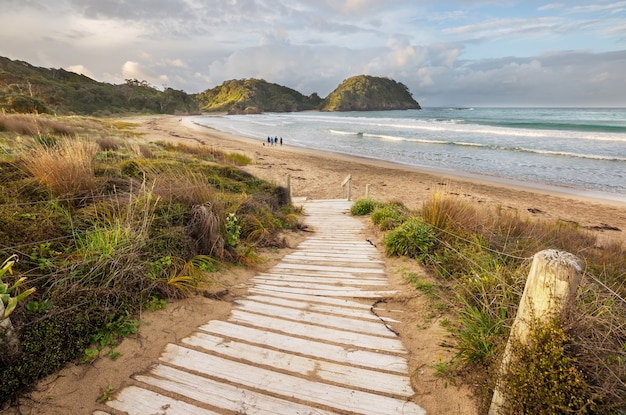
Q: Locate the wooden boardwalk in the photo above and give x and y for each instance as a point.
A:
(304, 340)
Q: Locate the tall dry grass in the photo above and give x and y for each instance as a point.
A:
(486, 252)
(66, 169)
(41, 124)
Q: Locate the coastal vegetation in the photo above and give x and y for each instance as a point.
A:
(369, 93)
(358, 93)
(475, 261)
(96, 225)
(28, 89)
(253, 96)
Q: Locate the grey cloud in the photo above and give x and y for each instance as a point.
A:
(561, 79)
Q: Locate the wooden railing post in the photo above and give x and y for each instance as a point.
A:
(346, 187)
(289, 190)
(367, 190)
(550, 289)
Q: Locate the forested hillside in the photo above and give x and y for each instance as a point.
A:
(28, 89)
(369, 93)
(252, 96)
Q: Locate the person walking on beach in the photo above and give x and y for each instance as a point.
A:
(281, 141)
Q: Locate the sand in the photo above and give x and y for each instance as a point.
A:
(80, 388)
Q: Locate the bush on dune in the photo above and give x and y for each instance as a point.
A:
(481, 257)
(106, 231)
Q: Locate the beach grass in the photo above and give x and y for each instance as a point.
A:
(478, 259)
(104, 224)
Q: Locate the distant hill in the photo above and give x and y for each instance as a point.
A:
(252, 96)
(359, 93)
(26, 88)
(369, 93)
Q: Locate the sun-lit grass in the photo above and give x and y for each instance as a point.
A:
(104, 223)
(66, 168)
(483, 255)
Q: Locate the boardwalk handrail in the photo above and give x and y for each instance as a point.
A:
(346, 187)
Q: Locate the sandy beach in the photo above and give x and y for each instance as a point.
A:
(318, 175)
(84, 388)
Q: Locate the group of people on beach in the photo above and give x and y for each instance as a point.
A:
(274, 140)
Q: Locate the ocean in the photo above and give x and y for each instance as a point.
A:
(573, 149)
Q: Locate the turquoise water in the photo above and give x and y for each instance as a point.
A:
(573, 148)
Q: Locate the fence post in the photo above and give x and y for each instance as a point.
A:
(367, 190)
(550, 289)
(346, 187)
(289, 190)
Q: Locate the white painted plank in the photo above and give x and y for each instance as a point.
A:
(295, 328)
(280, 266)
(349, 354)
(307, 257)
(335, 284)
(308, 253)
(350, 293)
(326, 279)
(330, 247)
(373, 328)
(342, 302)
(344, 311)
(221, 395)
(364, 379)
(329, 288)
(138, 401)
(339, 263)
(286, 385)
(312, 273)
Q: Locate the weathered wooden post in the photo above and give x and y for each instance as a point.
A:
(550, 289)
(346, 187)
(367, 190)
(289, 190)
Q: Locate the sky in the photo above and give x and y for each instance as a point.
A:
(447, 52)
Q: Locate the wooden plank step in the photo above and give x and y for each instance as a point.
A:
(364, 379)
(138, 401)
(312, 276)
(287, 386)
(366, 341)
(364, 313)
(218, 394)
(328, 293)
(342, 354)
(318, 282)
(322, 273)
(373, 328)
(342, 302)
(328, 268)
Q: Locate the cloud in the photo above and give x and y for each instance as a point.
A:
(446, 51)
(552, 79)
(80, 69)
(134, 70)
(551, 6)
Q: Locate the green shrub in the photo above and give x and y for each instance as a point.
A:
(363, 207)
(543, 378)
(389, 216)
(414, 238)
(478, 335)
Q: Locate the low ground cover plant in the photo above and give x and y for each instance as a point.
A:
(477, 260)
(105, 225)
